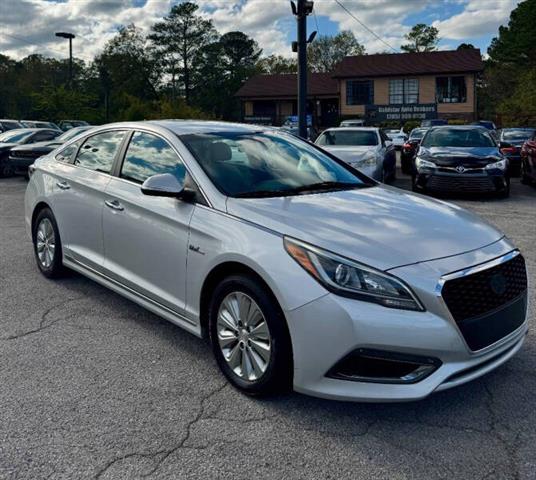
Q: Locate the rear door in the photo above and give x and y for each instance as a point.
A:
(79, 196)
(146, 238)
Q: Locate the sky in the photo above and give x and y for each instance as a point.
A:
(28, 26)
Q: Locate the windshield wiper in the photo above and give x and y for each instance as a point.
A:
(301, 189)
(262, 193)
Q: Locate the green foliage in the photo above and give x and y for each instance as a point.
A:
(326, 51)
(276, 64)
(465, 46)
(421, 38)
(411, 124)
(507, 90)
(60, 102)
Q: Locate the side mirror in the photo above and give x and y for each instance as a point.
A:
(165, 185)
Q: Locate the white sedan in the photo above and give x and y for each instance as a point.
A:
(367, 149)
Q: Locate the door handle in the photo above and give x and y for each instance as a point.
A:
(114, 205)
(63, 185)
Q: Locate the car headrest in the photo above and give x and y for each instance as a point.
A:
(220, 152)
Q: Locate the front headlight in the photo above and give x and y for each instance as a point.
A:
(500, 165)
(422, 163)
(369, 159)
(351, 279)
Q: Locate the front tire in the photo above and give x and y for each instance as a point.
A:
(249, 336)
(47, 244)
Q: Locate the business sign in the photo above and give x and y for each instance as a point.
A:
(293, 120)
(414, 111)
(259, 120)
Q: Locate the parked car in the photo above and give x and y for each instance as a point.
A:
(398, 137)
(356, 122)
(22, 136)
(300, 270)
(21, 157)
(39, 124)
(511, 141)
(528, 161)
(294, 130)
(409, 149)
(434, 122)
(486, 124)
(365, 148)
(460, 159)
(68, 124)
(6, 124)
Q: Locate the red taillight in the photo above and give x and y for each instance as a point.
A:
(407, 145)
(507, 150)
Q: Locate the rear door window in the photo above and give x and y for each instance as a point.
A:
(99, 151)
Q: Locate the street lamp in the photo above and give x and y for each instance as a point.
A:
(70, 36)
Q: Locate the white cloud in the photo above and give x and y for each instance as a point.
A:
(28, 26)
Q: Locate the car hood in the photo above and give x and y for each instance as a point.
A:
(349, 153)
(380, 226)
(47, 146)
(466, 156)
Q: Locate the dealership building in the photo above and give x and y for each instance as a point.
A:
(377, 88)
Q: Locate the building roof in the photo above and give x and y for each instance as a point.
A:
(286, 85)
(389, 64)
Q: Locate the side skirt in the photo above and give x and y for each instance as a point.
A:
(136, 297)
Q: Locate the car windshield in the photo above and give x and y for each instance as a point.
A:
(418, 133)
(14, 136)
(517, 135)
(348, 137)
(449, 137)
(268, 164)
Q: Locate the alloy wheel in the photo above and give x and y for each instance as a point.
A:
(45, 243)
(243, 336)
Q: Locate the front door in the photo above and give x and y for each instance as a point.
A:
(146, 238)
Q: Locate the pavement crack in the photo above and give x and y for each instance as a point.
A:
(165, 453)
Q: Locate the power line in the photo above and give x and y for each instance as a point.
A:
(364, 26)
(40, 45)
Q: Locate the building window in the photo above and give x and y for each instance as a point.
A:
(451, 90)
(403, 91)
(359, 92)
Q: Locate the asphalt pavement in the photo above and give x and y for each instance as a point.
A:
(93, 386)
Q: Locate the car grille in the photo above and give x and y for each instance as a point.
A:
(489, 304)
(460, 184)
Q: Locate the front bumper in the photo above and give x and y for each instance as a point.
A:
(442, 181)
(329, 329)
(21, 164)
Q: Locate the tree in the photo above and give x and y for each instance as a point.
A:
(465, 46)
(421, 38)
(326, 51)
(277, 64)
(515, 43)
(177, 40)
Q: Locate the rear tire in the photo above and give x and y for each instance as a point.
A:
(5, 171)
(47, 244)
(250, 337)
(525, 179)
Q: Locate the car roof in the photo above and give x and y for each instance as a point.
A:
(458, 127)
(371, 129)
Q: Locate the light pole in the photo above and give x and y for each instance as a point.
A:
(301, 9)
(70, 36)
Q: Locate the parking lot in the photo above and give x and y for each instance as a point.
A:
(93, 386)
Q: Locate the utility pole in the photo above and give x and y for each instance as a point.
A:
(301, 9)
(70, 36)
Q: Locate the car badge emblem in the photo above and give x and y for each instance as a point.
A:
(498, 284)
(460, 169)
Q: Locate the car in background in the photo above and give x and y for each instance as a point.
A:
(528, 161)
(294, 130)
(21, 157)
(398, 137)
(39, 124)
(434, 122)
(511, 140)
(409, 149)
(21, 136)
(367, 149)
(486, 124)
(301, 271)
(355, 122)
(461, 159)
(6, 124)
(68, 124)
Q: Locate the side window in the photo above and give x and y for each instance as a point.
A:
(98, 151)
(67, 154)
(148, 155)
